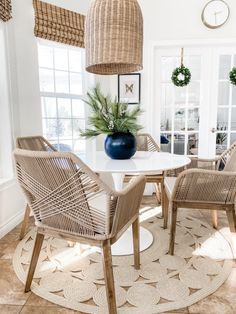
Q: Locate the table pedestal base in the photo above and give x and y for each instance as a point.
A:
(124, 246)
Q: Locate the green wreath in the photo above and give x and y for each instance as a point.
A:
(181, 76)
(232, 76)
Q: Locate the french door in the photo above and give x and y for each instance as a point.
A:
(199, 119)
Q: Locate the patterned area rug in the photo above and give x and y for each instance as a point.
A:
(73, 277)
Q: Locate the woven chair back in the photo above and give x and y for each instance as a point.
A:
(61, 190)
(35, 143)
(145, 142)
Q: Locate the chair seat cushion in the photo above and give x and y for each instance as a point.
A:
(169, 184)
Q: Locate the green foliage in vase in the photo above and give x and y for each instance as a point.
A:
(109, 116)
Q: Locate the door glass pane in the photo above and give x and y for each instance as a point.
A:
(232, 138)
(194, 62)
(192, 147)
(225, 65)
(193, 119)
(165, 141)
(233, 119)
(221, 142)
(168, 65)
(179, 144)
(234, 96)
(223, 96)
(180, 95)
(179, 122)
(167, 98)
(194, 94)
(222, 119)
(166, 119)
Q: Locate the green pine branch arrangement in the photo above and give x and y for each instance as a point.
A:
(109, 116)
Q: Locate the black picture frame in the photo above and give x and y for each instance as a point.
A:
(129, 84)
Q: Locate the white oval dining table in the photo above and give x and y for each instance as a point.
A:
(141, 163)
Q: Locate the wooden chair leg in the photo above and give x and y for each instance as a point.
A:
(25, 222)
(108, 276)
(165, 209)
(136, 243)
(34, 259)
(158, 193)
(173, 229)
(231, 219)
(214, 218)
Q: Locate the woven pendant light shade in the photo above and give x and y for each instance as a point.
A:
(114, 37)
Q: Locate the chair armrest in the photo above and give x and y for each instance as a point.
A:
(204, 163)
(198, 185)
(128, 203)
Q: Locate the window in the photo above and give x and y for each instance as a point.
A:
(62, 89)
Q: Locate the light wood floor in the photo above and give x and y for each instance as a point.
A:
(14, 300)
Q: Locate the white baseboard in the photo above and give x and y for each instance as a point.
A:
(11, 224)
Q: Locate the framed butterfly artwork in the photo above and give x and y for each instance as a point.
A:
(129, 88)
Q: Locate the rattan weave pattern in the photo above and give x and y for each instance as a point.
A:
(5, 10)
(114, 37)
(58, 24)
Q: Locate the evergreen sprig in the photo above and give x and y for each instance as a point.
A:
(110, 116)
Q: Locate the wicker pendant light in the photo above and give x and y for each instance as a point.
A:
(114, 37)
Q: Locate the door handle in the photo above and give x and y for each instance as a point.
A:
(213, 130)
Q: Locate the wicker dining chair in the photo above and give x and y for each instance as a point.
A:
(203, 189)
(35, 143)
(145, 142)
(64, 194)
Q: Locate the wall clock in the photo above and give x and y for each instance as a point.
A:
(215, 14)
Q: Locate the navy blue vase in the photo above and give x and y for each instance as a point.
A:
(120, 145)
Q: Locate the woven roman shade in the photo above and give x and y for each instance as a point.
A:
(5, 10)
(58, 24)
(114, 37)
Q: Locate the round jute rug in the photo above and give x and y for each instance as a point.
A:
(73, 276)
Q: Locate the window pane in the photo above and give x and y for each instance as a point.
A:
(45, 55)
(78, 108)
(61, 59)
(78, 126)
(233, 119)
(46, 80)
(75, 83)
(166, 119)
(64, 128)
(65, 146)
(50, 128)
(222, 119)
(64, 108)
(179, 142)
(225, 65)
(62, 82)
(75, 61)
(223, 97)
(49, 107)
(179, 122)
(193, 119)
